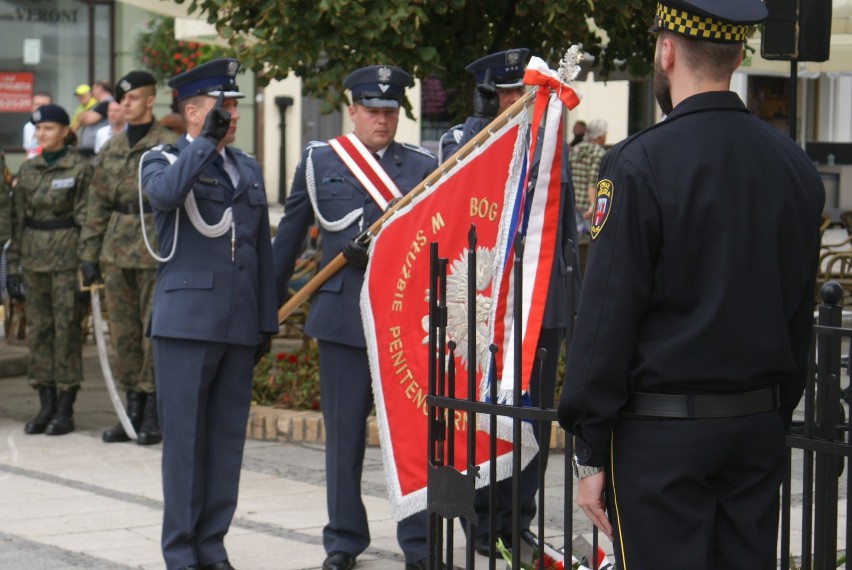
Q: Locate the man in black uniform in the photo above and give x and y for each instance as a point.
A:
(692, 335)
(499, 83)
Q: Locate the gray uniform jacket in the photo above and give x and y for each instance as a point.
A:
(334, 314)
(202, 293)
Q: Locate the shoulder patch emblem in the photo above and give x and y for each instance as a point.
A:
(603, 206)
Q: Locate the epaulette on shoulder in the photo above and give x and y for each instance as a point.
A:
(417, 148)
(315, 144)
(167, 147)
(244, 153)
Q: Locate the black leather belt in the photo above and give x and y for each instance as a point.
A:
(703, 405)
(57, 224)
(131, 207)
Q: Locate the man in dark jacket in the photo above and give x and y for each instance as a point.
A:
(680, 382)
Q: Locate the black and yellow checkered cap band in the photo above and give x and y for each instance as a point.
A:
(700, 27)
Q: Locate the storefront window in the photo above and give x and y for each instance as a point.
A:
(46, 48)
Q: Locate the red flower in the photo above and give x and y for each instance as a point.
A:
(280, 356)
(292, 358)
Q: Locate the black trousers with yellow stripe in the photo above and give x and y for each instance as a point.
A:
(698, 494)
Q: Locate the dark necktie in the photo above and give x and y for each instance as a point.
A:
(219, 163)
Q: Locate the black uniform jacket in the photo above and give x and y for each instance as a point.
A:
(702, 276)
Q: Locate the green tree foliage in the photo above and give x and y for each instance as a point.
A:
(323, 40)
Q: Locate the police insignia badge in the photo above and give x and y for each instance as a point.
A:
(603, 205)
(36, 116)
(125, 85)
(233, 67)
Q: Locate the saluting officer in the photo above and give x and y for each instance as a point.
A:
(113, 236)
(213, 307)
(342, 206)
(499, 83)
(691, 343)
(48, 208)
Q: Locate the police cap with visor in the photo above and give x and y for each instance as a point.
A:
(50, 114)
(725, 21)
(211, 78)
(131, 81)
(378, 85)
(504, 68)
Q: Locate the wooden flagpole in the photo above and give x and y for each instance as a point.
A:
(338, 262)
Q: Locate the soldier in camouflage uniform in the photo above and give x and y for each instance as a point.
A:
(113, 236)
(48, 208)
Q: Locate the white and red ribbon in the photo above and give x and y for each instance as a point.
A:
(539, 227)
(366, 169)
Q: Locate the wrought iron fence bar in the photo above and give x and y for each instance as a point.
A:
(470, 553)
(530, 413)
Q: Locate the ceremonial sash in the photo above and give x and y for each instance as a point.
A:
(366, 169)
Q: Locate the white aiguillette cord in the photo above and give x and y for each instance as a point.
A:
(217, 230)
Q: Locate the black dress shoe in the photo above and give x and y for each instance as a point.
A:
(482, 546)
(223, 565)
(338, 561)
(422, 564)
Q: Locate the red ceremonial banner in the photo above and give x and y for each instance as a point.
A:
(394, 306)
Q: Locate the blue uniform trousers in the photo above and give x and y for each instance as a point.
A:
(542, 387)
(347, 399)
(203, 398)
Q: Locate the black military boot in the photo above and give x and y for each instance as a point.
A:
(149, 431)
(47, 397)
(63, 419)
(135, 405)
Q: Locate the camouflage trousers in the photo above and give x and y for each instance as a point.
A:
(128, 299)
(54, 329)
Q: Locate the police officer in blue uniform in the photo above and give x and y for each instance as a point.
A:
(499, 83)
(691, 344)
(213, 306)
(326, 190)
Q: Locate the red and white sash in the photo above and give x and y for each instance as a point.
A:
(366, 169)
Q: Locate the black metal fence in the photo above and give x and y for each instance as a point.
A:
(819, 449)
(814, 488)
(451, 492)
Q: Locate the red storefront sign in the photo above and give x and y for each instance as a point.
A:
(16, 91)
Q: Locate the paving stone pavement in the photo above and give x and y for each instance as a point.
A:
(75, 502)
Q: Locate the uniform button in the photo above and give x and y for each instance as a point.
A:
(256, 185)
(585, 452)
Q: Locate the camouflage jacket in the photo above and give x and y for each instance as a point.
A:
(5, 200)
(112, 233)
(48, 195)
